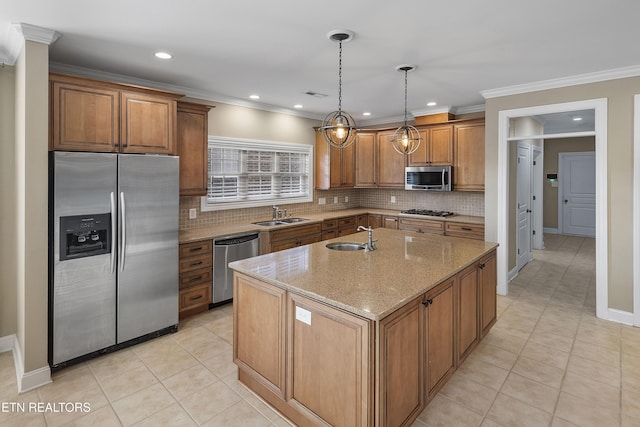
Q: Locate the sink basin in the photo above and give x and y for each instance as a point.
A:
(346, 246)
(270, 223)
(292, 220)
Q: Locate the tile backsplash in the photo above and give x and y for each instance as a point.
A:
(462, 203)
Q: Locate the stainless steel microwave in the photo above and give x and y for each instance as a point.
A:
(430, 178)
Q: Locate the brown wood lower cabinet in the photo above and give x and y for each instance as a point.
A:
(292, 237)
(195, 277)
(319, 365)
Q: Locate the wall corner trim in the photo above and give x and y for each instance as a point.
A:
(28, 380)
(21, 32)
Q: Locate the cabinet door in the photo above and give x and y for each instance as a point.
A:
(363, 220)
(440, 343)
(192, 148)
(468, 327)
(441, 145)
(375, 221)
(468, 170)
(259, 339)
(421, 156)
(390, 222)
(390, 163)
(148, 124)
(335, 167)
(328, 364)
(488, 282)
(84, 118)
(365, 174)
(348, 166)
(401, 365)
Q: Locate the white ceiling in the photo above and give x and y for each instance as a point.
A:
(225, 50)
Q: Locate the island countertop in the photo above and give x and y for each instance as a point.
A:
(369, 284)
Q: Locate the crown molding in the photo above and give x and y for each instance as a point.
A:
(21, 32)
(469, 109)
(428, 111)
(599, 76)
(380, 121)
(189, 92)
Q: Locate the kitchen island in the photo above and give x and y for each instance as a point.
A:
(355, 338)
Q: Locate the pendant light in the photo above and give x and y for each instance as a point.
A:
(338, 127)
(406, 139)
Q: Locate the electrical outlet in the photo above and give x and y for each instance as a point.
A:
(393, 199)
(193, 213)
(322, 201)
(346, 199)
(335, 199)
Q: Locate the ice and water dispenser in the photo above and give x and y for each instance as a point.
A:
(84, 236)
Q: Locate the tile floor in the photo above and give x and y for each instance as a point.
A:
(548, 361)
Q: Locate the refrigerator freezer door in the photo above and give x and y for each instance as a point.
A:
(82, 290)
(148, 194)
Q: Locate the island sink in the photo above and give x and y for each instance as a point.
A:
(346, 246)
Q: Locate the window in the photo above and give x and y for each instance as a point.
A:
(244, 173)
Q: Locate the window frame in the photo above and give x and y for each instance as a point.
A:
(260, 145)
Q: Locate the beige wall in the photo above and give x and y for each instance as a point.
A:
(551, 149)
(31, 144)
(8, 314)
(619, 94)
(518, 127)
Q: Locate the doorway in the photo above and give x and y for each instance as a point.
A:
(599, 107)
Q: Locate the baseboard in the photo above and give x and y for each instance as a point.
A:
(6, 343)
(513, 273)
(620, 316)
(551, 230)
(32, 379)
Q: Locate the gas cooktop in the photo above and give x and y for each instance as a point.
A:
(428, 212)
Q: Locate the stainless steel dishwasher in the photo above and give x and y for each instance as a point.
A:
(229, 249)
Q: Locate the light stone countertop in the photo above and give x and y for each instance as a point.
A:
(369, 284)
(222, 230)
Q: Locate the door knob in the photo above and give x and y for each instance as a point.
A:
(529, 210)
(566, 201)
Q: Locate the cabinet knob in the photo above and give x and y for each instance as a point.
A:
(481, 266)
(427, 302)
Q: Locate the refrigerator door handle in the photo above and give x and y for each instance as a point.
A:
(114, 228)
(123, 236)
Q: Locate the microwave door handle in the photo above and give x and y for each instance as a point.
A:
(114, 228)
(443, 173)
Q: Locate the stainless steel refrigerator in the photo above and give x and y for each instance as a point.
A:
(113, 251)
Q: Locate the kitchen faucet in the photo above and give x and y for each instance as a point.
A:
(371, 244)
(276, 212)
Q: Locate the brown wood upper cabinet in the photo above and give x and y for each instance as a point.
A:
(436, 147)
(94, 115)
(192, 148)
(390, 162)
(365, 175)
(334, 166)
(468, 152)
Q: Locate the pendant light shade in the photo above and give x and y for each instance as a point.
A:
(338, 127)
(406, 139)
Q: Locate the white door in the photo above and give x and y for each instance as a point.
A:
(523, 176)
(536, 198)
(578, 197)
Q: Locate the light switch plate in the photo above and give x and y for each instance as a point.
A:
(192, 213)
(322, 201)
(335, 199)
(393, 199)
(346, 199)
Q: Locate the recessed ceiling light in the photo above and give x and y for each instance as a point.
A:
(297, 106)
(163, 55)
(431, 104)
(577, 119)
(254, 96)
(366, 114)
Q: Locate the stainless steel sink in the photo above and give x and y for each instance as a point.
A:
(346, 246)
(292, 220)
(270, 223)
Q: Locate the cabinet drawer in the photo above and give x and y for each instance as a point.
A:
(329, 234)
(421, 225)
(390, 222)
(347, 222)
(295, 242)
(293, 232)
(329, 224)
(196, 262)
(196, 277)
(195, 296)
(196, 248)
(470, 231)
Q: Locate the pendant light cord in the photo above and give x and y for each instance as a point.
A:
(340, 79)
(405, 98)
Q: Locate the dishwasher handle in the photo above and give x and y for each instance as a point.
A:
(235, 240)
